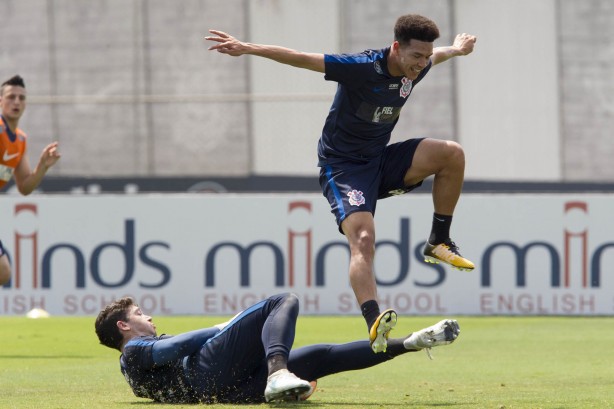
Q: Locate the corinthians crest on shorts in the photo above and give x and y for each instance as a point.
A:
(356, 197)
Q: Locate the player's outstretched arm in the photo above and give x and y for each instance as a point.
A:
(28, 180)
(227, 44)
(463, 45)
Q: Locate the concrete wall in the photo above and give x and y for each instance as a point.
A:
(508, 99)
(587, 89)
(129, 89)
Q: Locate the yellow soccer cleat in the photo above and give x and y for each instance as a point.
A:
(446, 252)
(378, 334)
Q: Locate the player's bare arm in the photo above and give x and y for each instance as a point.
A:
(463, 45)
(227, 44)
(28, 180)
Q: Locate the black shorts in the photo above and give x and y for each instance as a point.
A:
(352, 186)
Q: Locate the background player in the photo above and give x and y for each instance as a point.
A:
(358, 167)
(13, 160)
(246, 360)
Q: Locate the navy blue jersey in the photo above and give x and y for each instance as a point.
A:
(162, 383)
(366, 107)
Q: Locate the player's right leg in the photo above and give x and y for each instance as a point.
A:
(352, 191)
(360, 232)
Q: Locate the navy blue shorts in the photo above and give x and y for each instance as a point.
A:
(353, 186)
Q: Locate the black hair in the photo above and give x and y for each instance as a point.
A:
(417, 27)
(15, 80)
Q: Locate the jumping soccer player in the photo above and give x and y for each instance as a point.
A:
(358, 167)
(246, 360)
(14, 161)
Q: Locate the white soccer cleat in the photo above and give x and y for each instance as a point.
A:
(283, 385)
(306, 395)
(442, 333)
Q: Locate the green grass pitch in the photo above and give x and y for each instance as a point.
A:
(497, 362)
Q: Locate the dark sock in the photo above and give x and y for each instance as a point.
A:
(276, 362)
(370, 310)
(396, 347)
(441, 228)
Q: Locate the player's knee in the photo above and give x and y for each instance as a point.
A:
(291, 304)
(292, 298)
(454, 153)
(365, 242)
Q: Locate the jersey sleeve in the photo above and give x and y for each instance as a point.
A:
(349, 69)
(170, 349)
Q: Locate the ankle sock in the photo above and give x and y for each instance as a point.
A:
(440, 231)
(370, 310)
(396, 347)
(277, 362)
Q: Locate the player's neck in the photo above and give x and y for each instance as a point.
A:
(392, 66)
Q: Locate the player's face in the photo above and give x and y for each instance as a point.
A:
(13, 101)
(412, 58)
(140, 324)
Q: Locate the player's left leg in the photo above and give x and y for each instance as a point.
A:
(445, 160)
(277, 338)
(235, 363)
(443, 333)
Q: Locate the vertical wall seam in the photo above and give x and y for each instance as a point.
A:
(136, 69)
(147, 87)
(53, 75)
(454, 75)
(559, 89)
(249, 103)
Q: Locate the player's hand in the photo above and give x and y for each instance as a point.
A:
(227, 44)
(464, 43)
(50, 155)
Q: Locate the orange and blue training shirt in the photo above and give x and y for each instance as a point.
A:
(12, 149)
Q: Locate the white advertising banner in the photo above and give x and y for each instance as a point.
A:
(217, 254)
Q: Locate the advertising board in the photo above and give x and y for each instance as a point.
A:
(216, 254)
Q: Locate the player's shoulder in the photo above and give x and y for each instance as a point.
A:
(4, 131)
(376, 54)
(364, 57)
(21, 136)
(142, 341)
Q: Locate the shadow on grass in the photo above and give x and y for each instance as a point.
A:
(308, 404)
(45, 357)
(326, 404)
